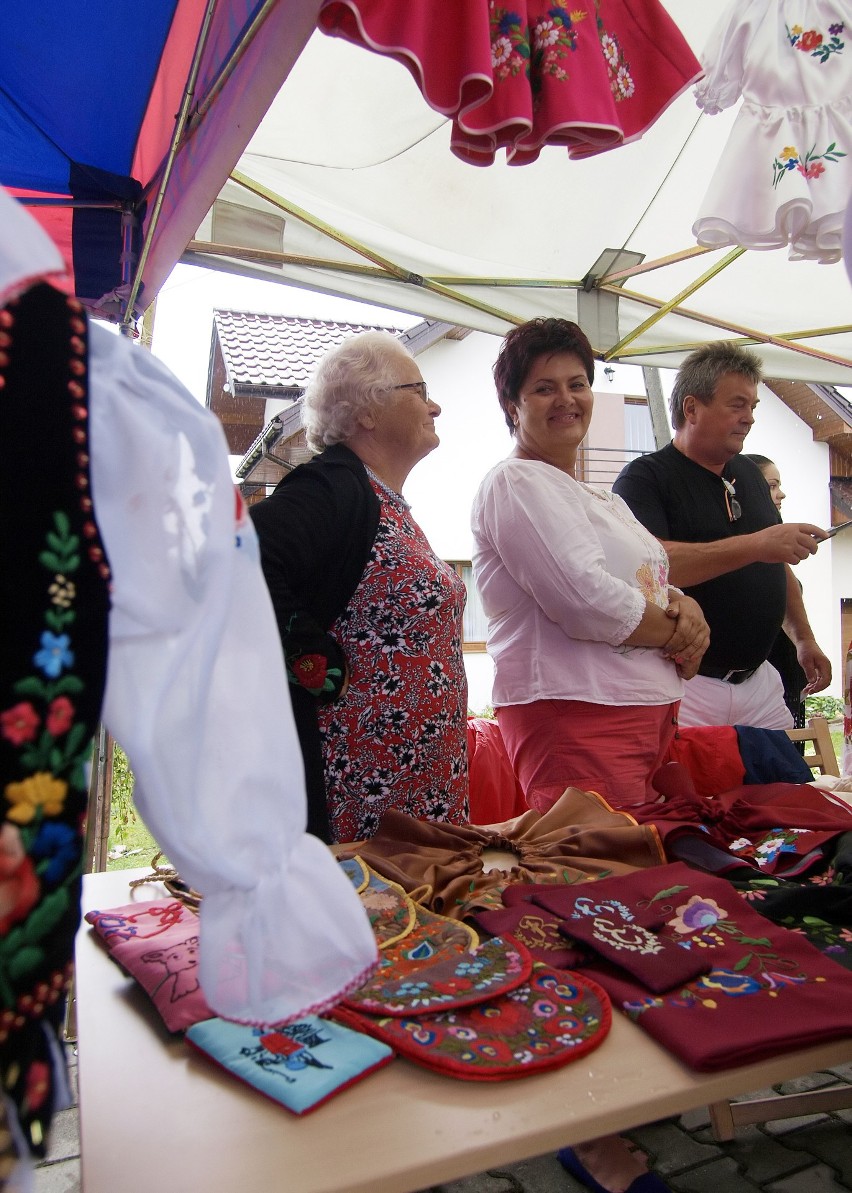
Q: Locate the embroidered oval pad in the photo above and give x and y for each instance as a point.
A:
(405, 986)
(551, 1019)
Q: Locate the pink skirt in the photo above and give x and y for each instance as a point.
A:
(611, 749)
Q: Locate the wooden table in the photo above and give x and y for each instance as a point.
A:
(153, 1115)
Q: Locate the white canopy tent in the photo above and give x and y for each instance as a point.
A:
(349, 186)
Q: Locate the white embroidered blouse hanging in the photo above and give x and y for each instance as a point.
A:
(785, 176)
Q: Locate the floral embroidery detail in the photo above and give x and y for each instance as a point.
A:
(621, 82)
(19, 887)
(809, 165)
(40, 855)
(62, 592)
(452, 980)
(20, 723)
(585, 905)
(767, 848)
(537, 49)
(60, 716)
(811, 41)
(54, 654)
(40, 792)
(635, 938)
(510, 49)
(529, 1026)
(553, 38)
(697, 915)
(312, 671)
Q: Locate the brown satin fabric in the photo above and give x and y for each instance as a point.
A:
(441, 866)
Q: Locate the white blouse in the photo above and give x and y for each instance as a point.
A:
(563, 570)
(197, 696)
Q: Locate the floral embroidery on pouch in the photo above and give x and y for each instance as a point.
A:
(811, 41)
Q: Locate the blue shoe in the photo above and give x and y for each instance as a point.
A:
(648, 1182)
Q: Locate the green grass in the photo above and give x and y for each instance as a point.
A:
(133, 846)
(130, 844)
(837, 741)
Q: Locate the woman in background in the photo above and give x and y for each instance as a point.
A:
(783, 655)
(369, 617)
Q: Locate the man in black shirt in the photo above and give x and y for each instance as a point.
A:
(727, 548)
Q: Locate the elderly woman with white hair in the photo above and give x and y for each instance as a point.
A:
(369, 617)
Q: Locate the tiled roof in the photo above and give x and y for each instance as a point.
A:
(279, 350)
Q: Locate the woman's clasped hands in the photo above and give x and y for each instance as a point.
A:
(691, 635)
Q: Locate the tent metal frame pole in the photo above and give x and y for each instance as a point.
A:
(100, 204)
(227, 70)
(180, 125)
(619, 275)
(666, 307)
(395, 272)
(749, 333)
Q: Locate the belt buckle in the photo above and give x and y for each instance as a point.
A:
(726, 678)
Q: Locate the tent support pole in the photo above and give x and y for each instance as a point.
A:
(180, 124)
(656, 406)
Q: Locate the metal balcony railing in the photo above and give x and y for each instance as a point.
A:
(601, 465)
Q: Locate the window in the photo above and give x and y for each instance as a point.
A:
(475, 623)
(638, 431)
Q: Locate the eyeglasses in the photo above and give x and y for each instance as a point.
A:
(420, 386)
(735, 510)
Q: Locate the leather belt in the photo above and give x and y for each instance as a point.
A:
(732, 675)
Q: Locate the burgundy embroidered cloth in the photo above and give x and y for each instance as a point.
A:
(591, 76)
(536, 929)
(626, 936)
(768, 989)
(440, 865)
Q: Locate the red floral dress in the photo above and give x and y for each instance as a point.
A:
(398, 738)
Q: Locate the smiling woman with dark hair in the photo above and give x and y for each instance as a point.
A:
(590, 644)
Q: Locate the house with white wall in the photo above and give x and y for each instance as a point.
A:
(259, 366)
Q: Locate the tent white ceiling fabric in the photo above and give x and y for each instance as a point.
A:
(375, 206)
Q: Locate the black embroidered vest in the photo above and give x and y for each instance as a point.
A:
(54, 603)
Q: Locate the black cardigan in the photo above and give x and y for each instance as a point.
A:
(316, 531)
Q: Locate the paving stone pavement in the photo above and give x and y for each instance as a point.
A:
(811, 1154)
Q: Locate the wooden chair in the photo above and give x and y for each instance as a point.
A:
(821, 755)
(725, 1117)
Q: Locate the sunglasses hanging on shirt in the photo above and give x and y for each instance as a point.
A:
(735, 510)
